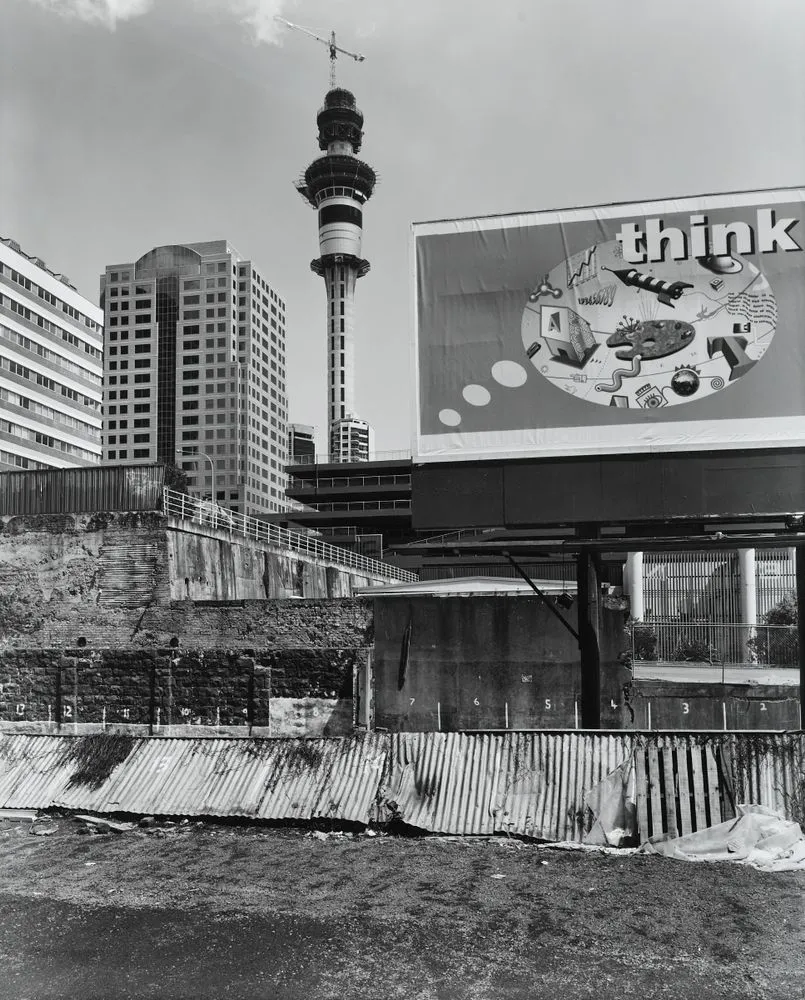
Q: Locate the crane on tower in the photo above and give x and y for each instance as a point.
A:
(329, 42)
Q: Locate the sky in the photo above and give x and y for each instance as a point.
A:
(129, 124)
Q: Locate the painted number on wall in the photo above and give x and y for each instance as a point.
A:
(68, 711)
(20, 709)
(475, 701)
(685, 708)
(763, 706)
(547, 703)
(126, 713)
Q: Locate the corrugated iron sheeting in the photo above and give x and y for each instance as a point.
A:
(531, 784)
(270, 779)
(82, 490)
(31, 771)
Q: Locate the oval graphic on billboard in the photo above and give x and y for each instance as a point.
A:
(644, 336)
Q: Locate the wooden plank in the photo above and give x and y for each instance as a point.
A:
(699, 794)
(712, 786)
(668, 753)
(641, 790)
(654, 789)
(682, 757)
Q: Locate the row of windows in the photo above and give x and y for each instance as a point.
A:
(21, 462)
(124, 454)
(48, 383)
(48, 297)
(113, 425)
(15, 399)
(124, 394)
(46, 440)
(50, 356)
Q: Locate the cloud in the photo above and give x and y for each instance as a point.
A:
(257, 15)
(105, 12)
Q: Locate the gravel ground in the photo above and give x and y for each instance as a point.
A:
(199, 911)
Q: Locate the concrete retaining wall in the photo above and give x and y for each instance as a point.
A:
(142, 559)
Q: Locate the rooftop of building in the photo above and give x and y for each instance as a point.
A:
(14, 245)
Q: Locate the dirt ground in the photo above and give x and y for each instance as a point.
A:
(205, 910)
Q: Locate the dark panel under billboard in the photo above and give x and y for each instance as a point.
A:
(608, 489)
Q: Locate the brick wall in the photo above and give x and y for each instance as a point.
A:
(287, 666)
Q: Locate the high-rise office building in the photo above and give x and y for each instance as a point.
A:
(338, 185)
(301, 442)
(194, 372)
(51, 344)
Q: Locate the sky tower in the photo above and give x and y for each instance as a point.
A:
(338, 185)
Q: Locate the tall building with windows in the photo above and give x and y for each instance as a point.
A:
(51, 344)
(194, 372)
(338, 185)
(301, 442)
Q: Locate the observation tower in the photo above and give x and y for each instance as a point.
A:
(338, 185)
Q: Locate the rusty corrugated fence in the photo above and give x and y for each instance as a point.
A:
(82, 490)
(533, 784)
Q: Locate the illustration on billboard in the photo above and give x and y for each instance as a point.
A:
(649, 335)
(611, 329)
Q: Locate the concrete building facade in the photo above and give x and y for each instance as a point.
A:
(195, 372)
(51, 348)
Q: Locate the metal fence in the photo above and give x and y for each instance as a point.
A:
(207, 513)
(705, 586)
(697, 642)
(82, 490)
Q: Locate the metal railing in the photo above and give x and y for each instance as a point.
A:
(207, 513)
(348, 505)
(319, 482)
(374, 456)
(714, 644)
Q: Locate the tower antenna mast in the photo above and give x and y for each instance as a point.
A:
(329, 42)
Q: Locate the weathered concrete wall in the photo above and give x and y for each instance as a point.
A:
(209, 564)
(660, 704)
(134, 560)
(487, 663)
(287, 624)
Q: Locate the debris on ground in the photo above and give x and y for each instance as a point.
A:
(759, 837)
(43, 827)
(18, 815)
(105, 824)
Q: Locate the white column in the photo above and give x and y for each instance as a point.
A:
(746, 569)
(634, 583)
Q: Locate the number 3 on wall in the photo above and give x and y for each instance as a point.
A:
(685, 708)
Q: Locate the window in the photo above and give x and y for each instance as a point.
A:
(138, 453)
(141, 438)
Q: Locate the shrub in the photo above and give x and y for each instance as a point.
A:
(696, 651)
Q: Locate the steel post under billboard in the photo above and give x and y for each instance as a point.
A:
(668, 326)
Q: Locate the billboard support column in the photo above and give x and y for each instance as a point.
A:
(589, 597)
(800, 563)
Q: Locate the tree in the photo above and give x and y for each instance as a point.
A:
(775, 641)
(176, 478)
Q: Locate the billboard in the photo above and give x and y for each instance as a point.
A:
(659, 326)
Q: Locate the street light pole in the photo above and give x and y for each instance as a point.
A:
(202, 454)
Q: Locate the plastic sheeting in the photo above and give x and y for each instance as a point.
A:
(758, 837)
